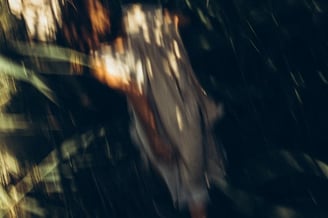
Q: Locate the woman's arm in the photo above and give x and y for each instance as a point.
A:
(138, 100)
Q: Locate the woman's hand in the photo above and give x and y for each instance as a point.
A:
(113, 72)
(106, 74)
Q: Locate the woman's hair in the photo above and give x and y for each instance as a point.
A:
(85, 23)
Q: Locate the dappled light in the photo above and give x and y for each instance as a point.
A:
(129, 109)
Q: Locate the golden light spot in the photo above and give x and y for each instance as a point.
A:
(41, 16)
(158, 36)
(174, 64)
(15, 7)
(176, 49)
(139, 74)
(146, 34)
(136, 19)
(115, 68)
(149, 68)
(179, 119)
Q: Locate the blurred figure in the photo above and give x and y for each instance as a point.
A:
(171, 114)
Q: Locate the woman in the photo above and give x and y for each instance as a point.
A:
(171, 114)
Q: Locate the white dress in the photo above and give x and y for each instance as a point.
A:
(156, 60)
